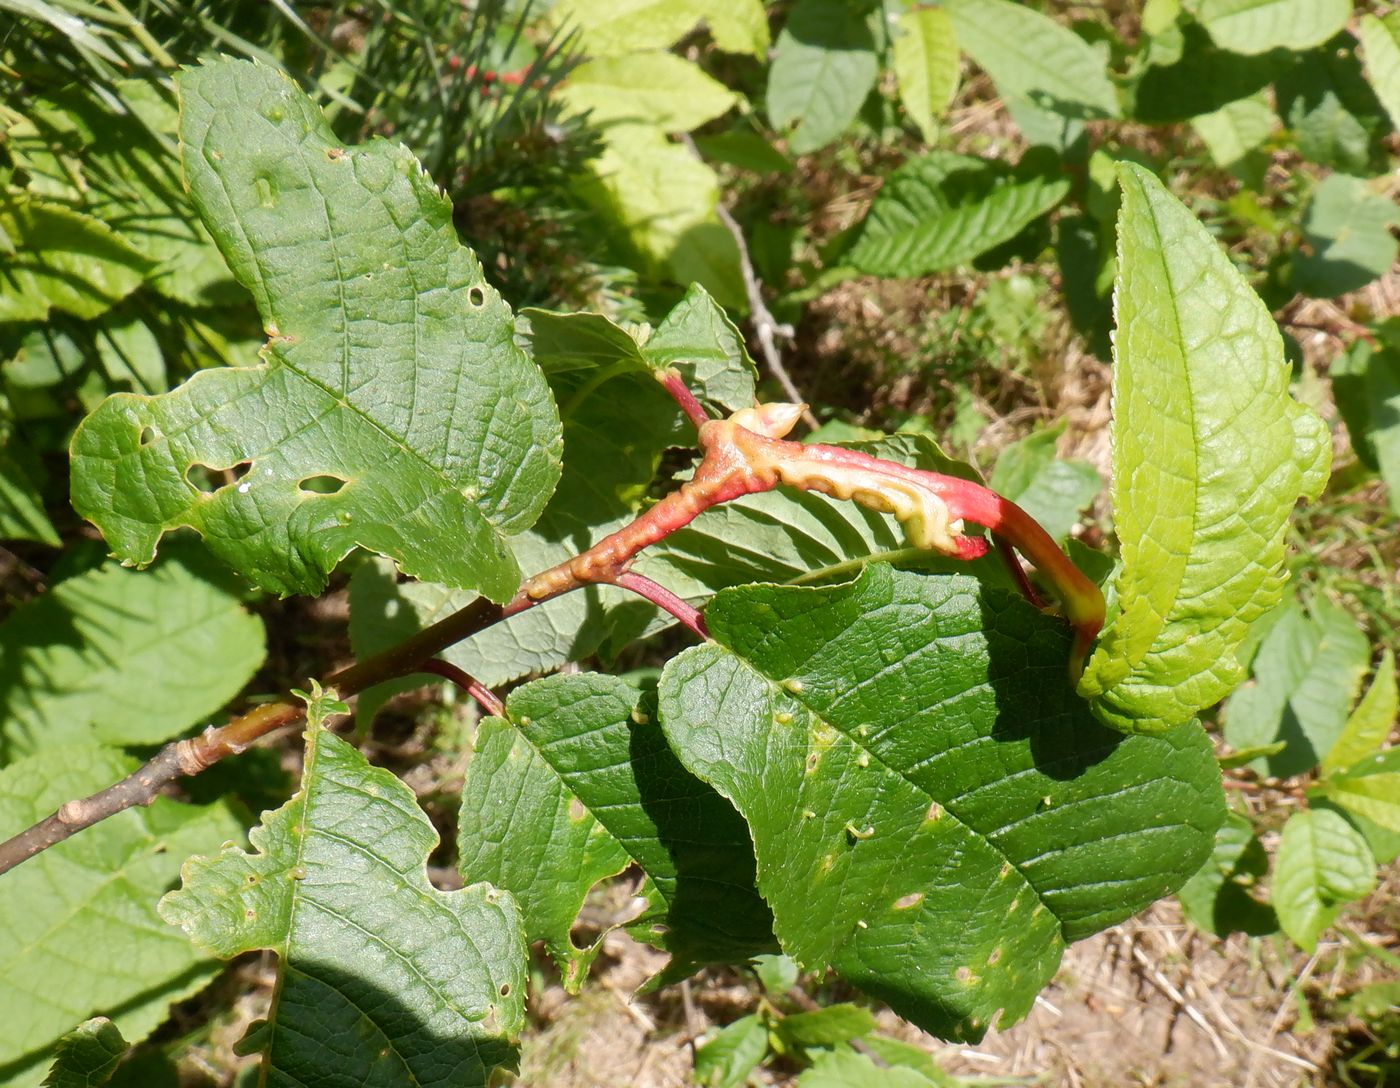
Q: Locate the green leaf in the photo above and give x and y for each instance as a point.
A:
(662, 198)
(738, 26)
(576, 784)
(22, 515)
(1201, 78)
(926, 65)
(1256, 26)
(942, 210)
(827, 1026)
(1035, 60)
(87, 1056)
(82, 936)
(934, 812)
(1380, 43)
(727, 1057)
(1325, 99)
(1370, 789)
(1346, 238)
(1235, 129)
(1210, 455)
(391, 368)
(653, 88)
(847, 1069)
(122, 658)
(56, 257)
(1307, 672)
(1050, 490)
(381, 977)
(823, 67)
(1323, 863)
(1370, 723)
(1366, 386)
(699, 341)
(1217, 899)
(613, 27)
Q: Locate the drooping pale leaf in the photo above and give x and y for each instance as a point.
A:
(1346, 237)
(1370, 723)
(1035, 59)
(662, 199)
(617, 422)
(82, 937)
(1256, 26)
(1380, 44)
(381, 977)
(391, 368)
(1325, 99)
(824, 65)
(781, 536)
(661, 89)
(1217, 898)
(1366, 386)
(926, 65)
(942, 210)
(22, 514)
(1210, 455)
(1323, 863)
(726, 1058)
(55, 257)
(1048, 489)
(575, 784)
(87, 1056)
(1235, 129)
(934, 812)
(121, 657)
(1307, 672)
(608, 28)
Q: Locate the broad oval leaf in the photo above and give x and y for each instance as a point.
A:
(381, 977)
(1210, 455)
(575, 784)
(943, 209)
(1323, 863)
(1380, 42)
(1346, 232)
(82, 936)
(391, 369)
(661, 89)
(823, 67)
(934, 812)
(118, 657)
(87, 1056)
(926, 65)
(1256, 26)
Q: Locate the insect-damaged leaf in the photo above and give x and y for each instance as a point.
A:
(394, 409)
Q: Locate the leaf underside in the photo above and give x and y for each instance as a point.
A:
(391, 371)
(935, 814)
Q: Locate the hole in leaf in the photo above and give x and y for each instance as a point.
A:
(208, 479)
(149, 435)
(322, 485)
(477, 296)
(505, 989)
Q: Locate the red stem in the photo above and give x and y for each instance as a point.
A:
(664, 599)
(484, 696)
(681, 394)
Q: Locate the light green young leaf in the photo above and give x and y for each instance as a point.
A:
(942, 210)
(1323, 863)
(738, 26)
(87, 1056)
(1326, 101)
(391, 369)
(1380, 44)
(122, 658)
(1235, 129)
(1035, 59)
(663, 199)
(576, 784)
(726, 1059)
(827, 1026)
(1307, 673)
(1370, 723)
(82, 936)
(608, 28)
(823, 67)
(934, 812)
(381, 977)
(1347, 239)
(58, 258)
(926, 65)
(847, 1069)
(1256, 26)
(661, 89)
(1048, 489)
(1210, 455)
(1370, 789)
